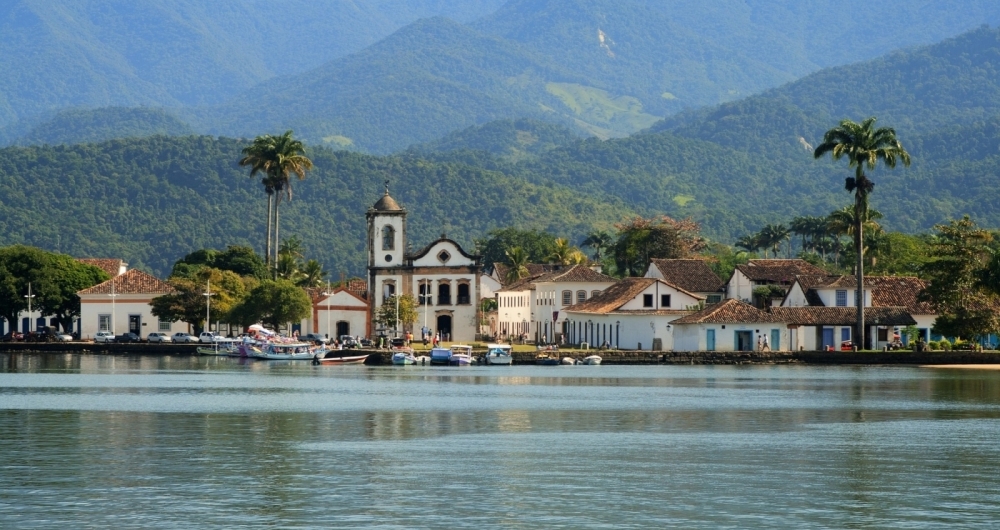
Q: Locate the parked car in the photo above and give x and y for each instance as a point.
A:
(62, 336)
(209, 337)
(367, 343)
(184, 337)
(128, 337)
(313, 337)
(104, 336)
(158, 337)
(348, 341)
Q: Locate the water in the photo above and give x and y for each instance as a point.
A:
(186, 442)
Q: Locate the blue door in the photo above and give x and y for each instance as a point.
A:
(827, 338)
(710, 340)
(25, 325)
(775, 339)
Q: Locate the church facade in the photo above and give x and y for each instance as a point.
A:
(442, 278)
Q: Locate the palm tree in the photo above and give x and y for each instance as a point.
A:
(278, 157)
(801, 227)
(259, 156)
(312, 274)
(773, 235)
(863, 145)
(599, 240)
(517, 260)
(750, 243)
(563, 253)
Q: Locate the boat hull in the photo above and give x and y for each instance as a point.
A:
(499, 359)
(341, 359)
(592, 360)
(460, 360)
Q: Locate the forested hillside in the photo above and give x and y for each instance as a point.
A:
(101, 53)
(153, 200)
(98, 125)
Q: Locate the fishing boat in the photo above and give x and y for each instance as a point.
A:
(402, 358)
(339, 357)
(544, 359)
(592, 360)
(284, 351)
(440, 355)
(461, 355)
(498, 354)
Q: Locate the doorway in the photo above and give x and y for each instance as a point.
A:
(135, 324)
(444, 326)
(343, 328)
(743, 340)
(710, 340)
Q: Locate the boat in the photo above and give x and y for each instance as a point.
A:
(592, 360)
(544, 360)
(402, 358)
(422, 359)
(498, 354)
(440, 355)
(568, 360)
(339, 357)
(284, 351)
(461, 355)
(221, 347)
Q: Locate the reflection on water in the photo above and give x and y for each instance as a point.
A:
(181, 442)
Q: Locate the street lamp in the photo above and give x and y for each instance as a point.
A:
(29, 296)
(617, 334)
(327, 294)
(113, 295)
(208, 304)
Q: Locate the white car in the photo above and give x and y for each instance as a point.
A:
(62, 336)
(183, 337)
(209, 337)
(158, 337)
(104, 336)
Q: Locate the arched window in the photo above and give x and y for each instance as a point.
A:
(594, 293)
(581, 296)
(444, 293)
(388, 238)
(463, 294)
(388, 289)
(567, 298)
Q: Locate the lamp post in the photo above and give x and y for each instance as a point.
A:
(617, 334)
(113, 295)
(208, 304)
(327, 294)
(29, 296)
(395, 329)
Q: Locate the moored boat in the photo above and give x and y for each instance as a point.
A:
(339, 357)
(284, 351)
(545, 360)
(568, 360)
(440, 355)
(461, 355)
(498, 354)
(402, 358)
(592, 360)
(221, 347)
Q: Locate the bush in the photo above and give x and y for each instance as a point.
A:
(934, 345)
(945, 345)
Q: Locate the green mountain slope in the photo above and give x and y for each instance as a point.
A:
(98, 125)
(153, 200)
(509, 140)
(100, 53)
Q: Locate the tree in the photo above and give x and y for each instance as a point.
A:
(188, 302)
(278, 157)
(273, 302)
(566, 254)
(773, 235)
(961, 287)
(312, 274)
(640, 240)
(600, 241)
(537, 246)
(517, 262)
(387, 316)
(864, 146)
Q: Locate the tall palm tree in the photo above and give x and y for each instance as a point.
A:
(864, 146)
(278, 158)
(774, 235)
(517, 260)
(751, 243)
(801, 227)
(563, 253)
(312, 274)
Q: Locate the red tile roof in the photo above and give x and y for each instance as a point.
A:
(692, 275)
(729, 311)
(111, 266)
(568, 273)
(132, 282)
(899, 291)
(841, 316)
(778, 270)
(613, 297)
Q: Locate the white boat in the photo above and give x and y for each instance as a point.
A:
(498, 354)
(440, 355)
(568, 360)
(422, 359)
(339, 357)
(402, 358)
(285, 351)
(592, 360)
(461, 355)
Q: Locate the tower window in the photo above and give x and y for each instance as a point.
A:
(388, 238)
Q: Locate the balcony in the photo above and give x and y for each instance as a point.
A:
(444, 300)
(463, 300)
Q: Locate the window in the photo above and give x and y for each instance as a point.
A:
(388, 238)
(104, 322)
(647, 300)
(444, 294)
(581, 296)
(841, 298)
(713, 299)
(463, 294)
(388, 289)
(845, 334)
(664, 300)
(164, 325)
(425, 295)
(567, 298)
(594, 293)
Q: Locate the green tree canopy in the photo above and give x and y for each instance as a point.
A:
(273, 302)
(536, 244)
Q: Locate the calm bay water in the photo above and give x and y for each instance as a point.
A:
(183, 442)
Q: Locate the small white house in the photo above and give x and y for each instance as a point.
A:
(634, 313)
(122, 304)
(692, 275)
(732, 325)
(761, 272)
(342, 312)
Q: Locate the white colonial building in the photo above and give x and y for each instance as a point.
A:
(443, 278)
(123, 304)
